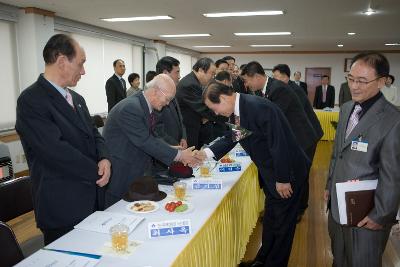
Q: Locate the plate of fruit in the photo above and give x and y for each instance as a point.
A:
(226, 159)
(178, 207)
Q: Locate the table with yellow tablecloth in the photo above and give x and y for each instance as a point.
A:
(326, 118)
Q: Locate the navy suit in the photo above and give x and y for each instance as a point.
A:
(329, 100)
(274, 150)
(62, 147)
(115, 91)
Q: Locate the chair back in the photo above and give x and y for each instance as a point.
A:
(10, 252)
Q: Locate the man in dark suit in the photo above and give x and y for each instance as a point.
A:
(129, 135)
(282, 72)
(198, 119)
(116, 85)
(280, 161)
(344, 93)
(297, 77)
(169, 124)
(367, 147)
(324, 94)
(66, 155)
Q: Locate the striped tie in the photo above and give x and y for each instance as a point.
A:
(353, 121)
(69, 98)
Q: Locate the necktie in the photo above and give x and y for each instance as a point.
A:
(298, 83)
(69, 98)
(123, 83)
(354, 118)
(323, 93)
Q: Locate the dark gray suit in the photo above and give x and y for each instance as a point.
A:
(115, 91)
(380, 127)
(132, 145)
(344, 93)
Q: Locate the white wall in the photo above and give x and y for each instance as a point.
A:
(301, 61)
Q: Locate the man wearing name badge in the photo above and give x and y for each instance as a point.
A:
(116, 85)
(367, 147)
(280, 160)
(129, 135)
(66, 155)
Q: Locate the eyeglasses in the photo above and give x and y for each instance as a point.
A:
(351, 80)
(169, 99)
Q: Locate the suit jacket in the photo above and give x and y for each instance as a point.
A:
(281, 95)
(62, 147)
(115, 91)
(238, 85)
(312, 117)
(302, 85)
(330, 97)
(189, 95)
(170, 125)
(380, 127)
(132, 144)
(344, 93)
(271, 146)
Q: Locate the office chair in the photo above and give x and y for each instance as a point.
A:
(10, 253)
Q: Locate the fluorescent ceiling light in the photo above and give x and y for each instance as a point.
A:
(369, 12)
(138, 18)
(211, 46)
(393, 44)
(185, 35)
(340, 45)
(281, 45)
(351, 33)
(261, 33)
(244, 14)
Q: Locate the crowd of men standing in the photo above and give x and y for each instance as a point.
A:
(76, 171)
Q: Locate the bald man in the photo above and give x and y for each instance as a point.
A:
(129, 135)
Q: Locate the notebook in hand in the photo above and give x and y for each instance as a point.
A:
(358, 205)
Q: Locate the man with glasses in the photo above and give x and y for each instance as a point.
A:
(367, 147)
(129, 135)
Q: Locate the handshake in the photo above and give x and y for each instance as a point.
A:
(192, 157)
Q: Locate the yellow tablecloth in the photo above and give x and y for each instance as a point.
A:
(223, 238)
(325, 118)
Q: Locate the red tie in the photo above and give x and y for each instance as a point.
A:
(152, 122)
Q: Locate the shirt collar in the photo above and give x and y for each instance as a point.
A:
(61, 90)
(265, 86)
(119, 77)
(368, 103)
(148, 103)
(237, 110)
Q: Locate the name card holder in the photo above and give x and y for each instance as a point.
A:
(169, 228)
(207, 184)
(230, 167)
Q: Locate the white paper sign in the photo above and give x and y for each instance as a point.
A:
(342, 188)
(207, 184)
(169, 228)
(101, 221)
(46, 258)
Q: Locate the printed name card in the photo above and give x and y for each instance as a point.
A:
(241, 153)
(230, 167)
(169, 228)
(207, 184)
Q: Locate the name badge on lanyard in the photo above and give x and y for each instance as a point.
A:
(359, 145)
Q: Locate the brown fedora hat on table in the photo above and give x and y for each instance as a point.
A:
(144, 188)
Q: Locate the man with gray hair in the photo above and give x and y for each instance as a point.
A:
(129, 135)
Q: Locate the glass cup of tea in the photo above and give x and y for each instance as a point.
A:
(180, 190)
(205, 169)
(119, 237)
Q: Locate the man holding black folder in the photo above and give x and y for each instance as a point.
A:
(367, 147)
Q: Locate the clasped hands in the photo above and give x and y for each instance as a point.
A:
(192, 157)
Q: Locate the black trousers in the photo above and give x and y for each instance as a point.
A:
(279, 226)
(304, 194)
(51, 235)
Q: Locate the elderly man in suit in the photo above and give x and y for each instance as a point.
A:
(282, 72)
(66, 155)
(116, 85)
(324, 94)
(297, 77)
(129, 135)
(281, 162)
(169, 124)
(198, 119)
(367, 146)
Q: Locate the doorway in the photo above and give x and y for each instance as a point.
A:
(313, 79)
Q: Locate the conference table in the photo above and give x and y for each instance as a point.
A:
(221, 224)
(326, 117)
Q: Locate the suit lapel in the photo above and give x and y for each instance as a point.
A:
(368, 120)
(61, 104)
(81, 113)
(145, 108)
